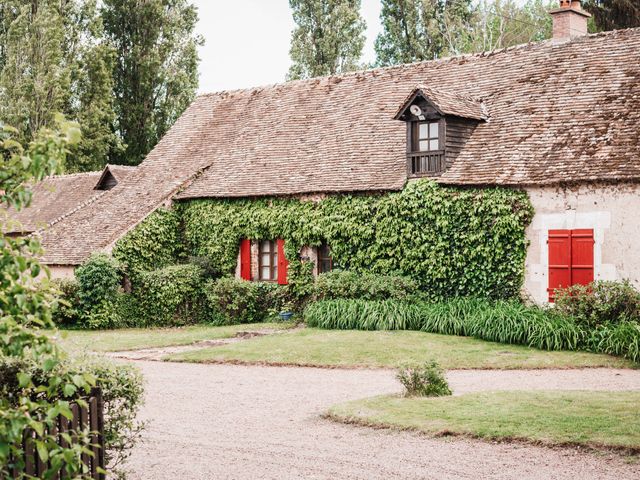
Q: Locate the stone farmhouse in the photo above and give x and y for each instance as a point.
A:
(559, 119)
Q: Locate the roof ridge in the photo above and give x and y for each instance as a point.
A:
(452, 58)
(74, 174)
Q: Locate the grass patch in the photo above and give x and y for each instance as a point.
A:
(350, 348)
(139, 338)
(592, 419)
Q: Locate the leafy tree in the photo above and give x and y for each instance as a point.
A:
(156, 68)
(328, 38)
(52, 60)
(416, 30)
(614, 14)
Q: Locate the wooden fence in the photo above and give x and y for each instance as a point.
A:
(83, 417)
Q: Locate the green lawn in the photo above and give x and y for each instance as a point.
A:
(595, 419)
(138, 338)
(390, 349)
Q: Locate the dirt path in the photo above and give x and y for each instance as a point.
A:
(238, 422)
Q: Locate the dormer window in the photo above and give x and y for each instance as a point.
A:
(426, 136)
(438, 125)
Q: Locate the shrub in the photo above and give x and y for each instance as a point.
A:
(232, 301)
(365, 286)
(621, 339)
(122, 391)
(600, 303)
(170, 296)
(98, 281)
(427, 380)
(66, 310)
(503, 321)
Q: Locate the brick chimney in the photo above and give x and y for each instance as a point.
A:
(569, 20)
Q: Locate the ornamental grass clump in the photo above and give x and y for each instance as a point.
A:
(427, 380)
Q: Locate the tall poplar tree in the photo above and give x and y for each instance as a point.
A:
(416, 30)
(155, 71)
(52, 60)
(328, 38)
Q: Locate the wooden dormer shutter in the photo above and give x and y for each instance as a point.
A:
(245, 259)
(283, 263)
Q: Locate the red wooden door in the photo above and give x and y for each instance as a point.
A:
(570, 259)
(245, 259)
(283, 263)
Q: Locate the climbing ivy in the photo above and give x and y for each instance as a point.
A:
(154, 243)
(454, 242)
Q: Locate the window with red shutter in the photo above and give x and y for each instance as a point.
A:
(570, 259)
(283, 263)
(245, 259)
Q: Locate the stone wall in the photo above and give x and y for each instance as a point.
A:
(612, 211)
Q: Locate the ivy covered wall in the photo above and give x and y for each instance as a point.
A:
(454, 242)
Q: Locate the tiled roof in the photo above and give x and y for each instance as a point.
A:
(447, 103)
(53, 198)
(558, 112)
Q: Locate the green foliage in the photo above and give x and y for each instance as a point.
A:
(25, 310)
(452, 242)
(600, 302)
(614, 14)
(99, 280)
(365, 286)
(66, 311)
(417, 30)
(122, 392)
(156, 70)
(427, 380)
(622, 339)
(328, 38)
(155, 243)
(170, 296)
(499, 321)
(231, 301)
(53, 60)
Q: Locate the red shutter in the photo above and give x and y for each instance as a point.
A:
(245, 259)
(582, 257)
(570, 258)
(283, 263)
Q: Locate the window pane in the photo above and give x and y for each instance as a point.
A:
(265, 272)
(423, 145)
(433, 144)
(265, 246)
(433, 130)
(424, 128)
(275, 273)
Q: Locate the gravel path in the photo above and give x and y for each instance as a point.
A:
(239, 422)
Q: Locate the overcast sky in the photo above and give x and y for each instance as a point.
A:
(247, 41)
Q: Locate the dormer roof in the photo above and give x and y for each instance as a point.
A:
(445, 103)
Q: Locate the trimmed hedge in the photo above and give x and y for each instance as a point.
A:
(232, 301)
(170, 296)
(365, 286)
(502, 321)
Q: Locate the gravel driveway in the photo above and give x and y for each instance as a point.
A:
(239, 422)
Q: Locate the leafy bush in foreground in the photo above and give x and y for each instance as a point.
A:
(502, 321)
(427, 380)
(600, 302)
(232, 301)
(365, 286)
